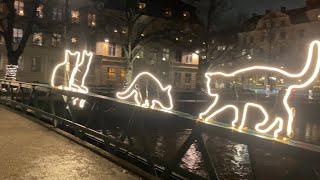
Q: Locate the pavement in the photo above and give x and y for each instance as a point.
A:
(29, 150)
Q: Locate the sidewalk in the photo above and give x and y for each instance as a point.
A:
(31, 151)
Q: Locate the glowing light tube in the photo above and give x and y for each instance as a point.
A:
(278, 121)
(133, 90)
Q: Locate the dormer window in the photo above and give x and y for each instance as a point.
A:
(167, 12)
(186, 14)
(142, 5)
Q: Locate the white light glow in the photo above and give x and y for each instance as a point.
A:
(133, 90)
(72, 86)
(11, 72)
(278, 120)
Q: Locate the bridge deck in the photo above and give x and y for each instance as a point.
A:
(31, 151)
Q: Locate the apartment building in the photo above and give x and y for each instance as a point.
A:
(87, 25)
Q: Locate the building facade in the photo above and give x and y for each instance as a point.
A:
(87, 25)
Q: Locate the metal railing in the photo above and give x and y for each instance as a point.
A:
(127, 131)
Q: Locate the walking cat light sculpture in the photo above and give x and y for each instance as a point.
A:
(309, 73)
(75, 76)
(134, 90)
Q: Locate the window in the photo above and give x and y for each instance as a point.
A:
(75, 17)
(37, 39)
(283, 35)
(21, 64)
(186, 14)
(187, 78)
(40, 11)
(112, 49)
(165, 54)
(35, 64)
(221, 48)
(142, 5)
(189, 58)
(318, 17)
(177, 78)
(19, 7)
(92, 20)
(1, 62)
(178, 56)
(122, 74)
(56, 40)
(74, 40)
(167, 12)
(17, 35)
(57, 14)
(111, 73)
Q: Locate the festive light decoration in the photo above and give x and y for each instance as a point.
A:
(72, 86)
(11, 72)
(280, 121)
(134, 90)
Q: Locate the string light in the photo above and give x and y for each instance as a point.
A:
(134, 90)
(277, 120)
(11, 72)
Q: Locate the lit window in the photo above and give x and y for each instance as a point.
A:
(40, 11)
(111, 73)
(318, 17)
(37, 39)
(74, 40)
(142, 5)
(187, 78)
(221, 48)
(35, 64)
(112, 49)
(56, 40)
(122, 74)
(75, 17)
(17, 35)
(57, 14)
(167, 12)
(186, 14)
(189, 58)
(92, 20)
(19, 7)
(165, 54)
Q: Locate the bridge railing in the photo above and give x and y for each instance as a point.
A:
(152, 140)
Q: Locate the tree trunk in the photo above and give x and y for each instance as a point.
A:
(129, 73)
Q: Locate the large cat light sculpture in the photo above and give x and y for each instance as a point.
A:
(308, 74)
(135, 91)
(77, 80)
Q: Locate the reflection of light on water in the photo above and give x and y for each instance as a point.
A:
(192, 158)
(311, 134)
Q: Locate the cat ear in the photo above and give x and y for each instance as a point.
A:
(168, 88)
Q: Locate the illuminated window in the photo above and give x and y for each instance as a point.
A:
(221, 48)
(75, 17)
(92, 20)
(187, 78)
(56, 40)
(112, 49)
(165, 54)
(35, 64)
(19, 7)
(260, 81)
(17, 35)
(37, 39)
(189, 58)
(167, 12)
(122, 74)
(186, 14)
(74, 40)
(111, 73)
(40, 11)
(142, 5)
(57, 14)
(318, 17)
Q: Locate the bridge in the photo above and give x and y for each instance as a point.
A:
(152, 143)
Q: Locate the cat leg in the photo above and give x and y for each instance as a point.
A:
(245, 112)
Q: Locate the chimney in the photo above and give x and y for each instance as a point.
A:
(283, 9)
(268, 11)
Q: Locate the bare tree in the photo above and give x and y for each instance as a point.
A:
(7, 25)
